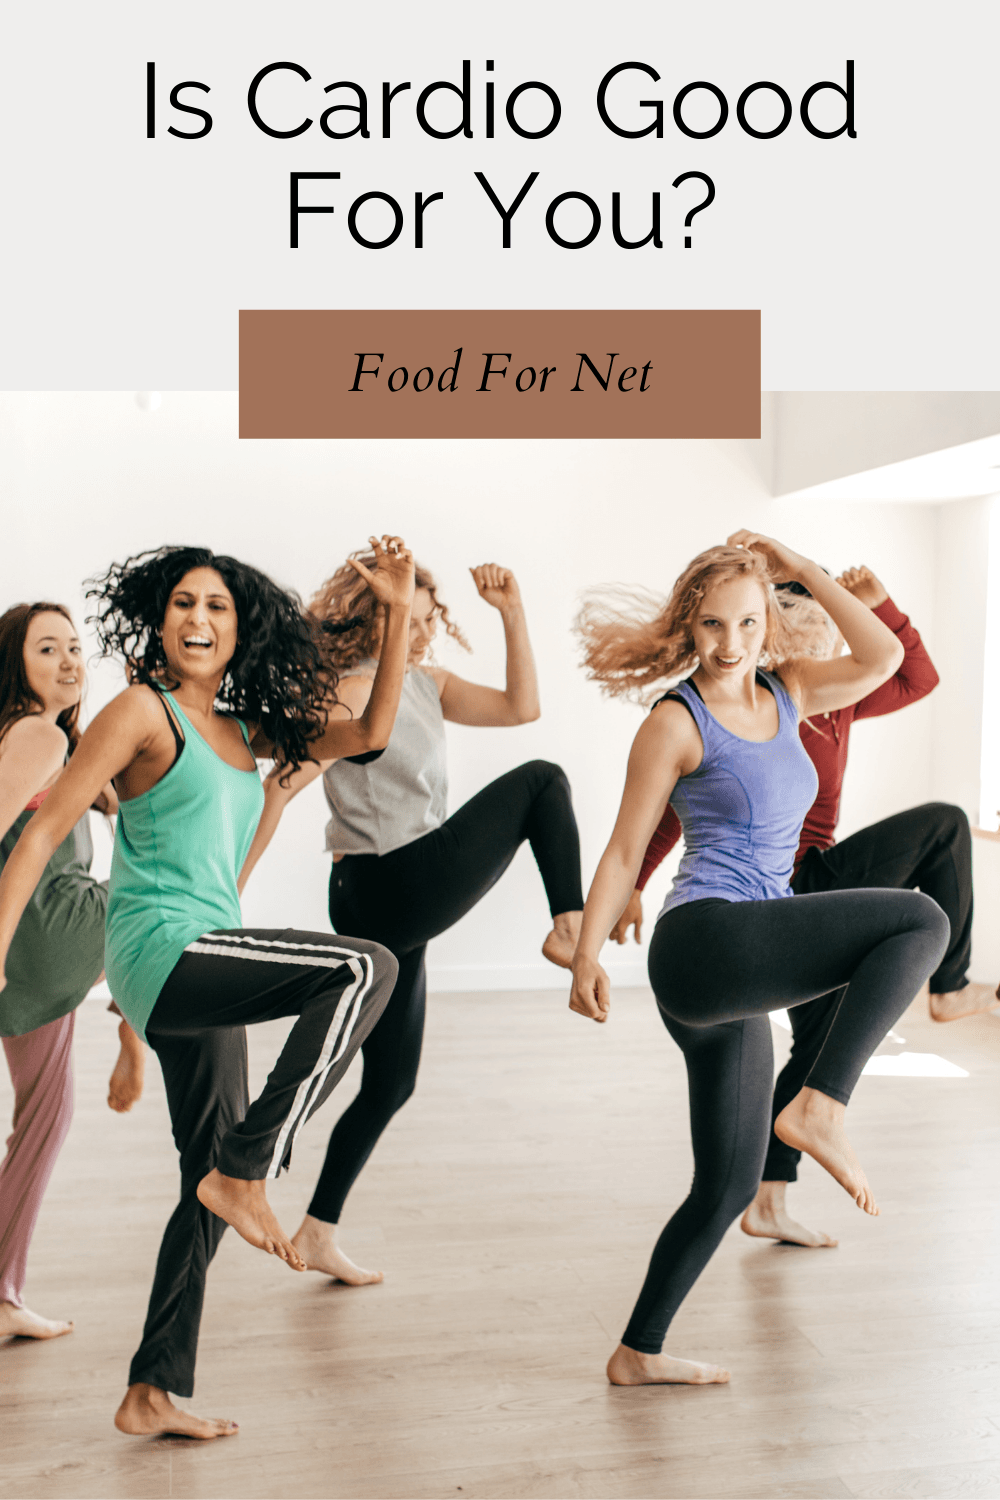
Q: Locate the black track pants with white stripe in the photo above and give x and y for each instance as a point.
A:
(337, 987)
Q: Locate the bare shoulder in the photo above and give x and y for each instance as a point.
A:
(671, 719)
(35, 737)
(139, 705)
(440, 676)
(669, 729)
(134, 718)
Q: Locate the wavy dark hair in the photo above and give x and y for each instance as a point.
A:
(17, 697)
(277, 676)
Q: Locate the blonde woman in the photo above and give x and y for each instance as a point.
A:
(403, 871)
(929, 847)
(723, 748)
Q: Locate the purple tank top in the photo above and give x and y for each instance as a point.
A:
(743, 808)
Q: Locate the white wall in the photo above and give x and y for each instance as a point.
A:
(89, 477)
(963, 565)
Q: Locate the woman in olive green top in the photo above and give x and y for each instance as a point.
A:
(58, 948)
(223, 668)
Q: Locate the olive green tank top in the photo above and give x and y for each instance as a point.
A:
(179, 849)
(58, 948)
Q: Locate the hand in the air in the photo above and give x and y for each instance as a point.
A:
(391, 580)
(630, 917)
(496, 585)
(782, 563)
(866, 588)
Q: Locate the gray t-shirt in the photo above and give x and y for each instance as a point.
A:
(402, 794)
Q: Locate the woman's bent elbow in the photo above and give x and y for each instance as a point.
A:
(373, 739)
(896, 657)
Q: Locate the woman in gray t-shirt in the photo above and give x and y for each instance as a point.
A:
(403, 871)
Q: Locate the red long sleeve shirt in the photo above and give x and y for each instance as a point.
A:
(825, 738)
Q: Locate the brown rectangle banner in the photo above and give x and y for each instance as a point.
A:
(496, 374)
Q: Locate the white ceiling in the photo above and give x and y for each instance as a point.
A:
(957, 473)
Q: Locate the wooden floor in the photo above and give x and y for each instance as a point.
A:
(513, 1205)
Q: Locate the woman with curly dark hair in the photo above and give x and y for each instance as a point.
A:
(58, 949)
(223, 668)
(403, 871)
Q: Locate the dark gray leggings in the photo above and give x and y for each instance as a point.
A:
(717, 968)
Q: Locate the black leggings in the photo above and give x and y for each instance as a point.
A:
(404, 899)
(929, 847)
(337, 988)
(717, 968)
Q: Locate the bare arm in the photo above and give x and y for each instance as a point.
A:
(353, 694)
(517, 703)
(875, 653)
(276, 799)
(392, 584)
(33, 755)
(667, 746)
(107, 802)
(117, 736)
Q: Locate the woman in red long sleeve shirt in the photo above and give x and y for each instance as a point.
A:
(929, 847)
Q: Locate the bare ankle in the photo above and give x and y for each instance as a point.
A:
(770, 1197)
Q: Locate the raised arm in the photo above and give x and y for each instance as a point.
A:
(116, 737)
(353, 694)
(517, 703)
(391, 581)
(667, 746)
(875, 654)
(917, 676)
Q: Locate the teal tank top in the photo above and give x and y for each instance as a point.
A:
(179, 849)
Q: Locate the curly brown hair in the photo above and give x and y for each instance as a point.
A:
(634, 641)
(277, 676)
(349, 616)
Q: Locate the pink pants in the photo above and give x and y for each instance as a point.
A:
(41, 1072)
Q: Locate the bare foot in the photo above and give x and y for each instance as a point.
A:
(814, 1122)
(970, 1001)
(629, 1367)
(560, 945)
(316, 1242)
(767, 1219)
(22, 1323)
(125, 1087)
(244, 1205)
(148, 1411)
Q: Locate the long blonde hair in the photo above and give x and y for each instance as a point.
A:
(634, 642)
(349, 617)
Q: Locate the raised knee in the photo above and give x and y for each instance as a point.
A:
(951, 820)
(931, 917)
(385, 965)
(543, 772)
